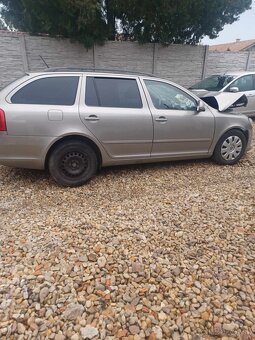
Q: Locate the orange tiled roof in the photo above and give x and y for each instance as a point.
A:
(234, 46)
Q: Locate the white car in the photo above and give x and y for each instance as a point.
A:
(241, 82)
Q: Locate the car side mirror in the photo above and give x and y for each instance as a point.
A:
(234, 89)
(200, 106)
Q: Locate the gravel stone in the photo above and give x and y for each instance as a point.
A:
(44, 292)
(144, 251)
(229, 327)
(134, 329)
(158, 332)
(176, 271)
(75, 337)
(101, 262)
(21, 328)
(88, 332)
(176, 336)
(73, 311)
(59, 337)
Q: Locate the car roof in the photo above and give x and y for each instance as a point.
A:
(60, 70)
(235, 73)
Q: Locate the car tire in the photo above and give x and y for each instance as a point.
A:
(73, 163)
(230, 147)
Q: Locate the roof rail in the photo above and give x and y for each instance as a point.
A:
(81, 69)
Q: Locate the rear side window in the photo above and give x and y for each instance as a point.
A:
(112, 92)
(48, 91)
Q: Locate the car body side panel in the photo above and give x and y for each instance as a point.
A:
(23, 151)
(228, 121)
(33, 130)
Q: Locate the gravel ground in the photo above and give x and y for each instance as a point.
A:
(154, 251)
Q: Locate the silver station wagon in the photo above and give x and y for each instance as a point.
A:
(73, 121)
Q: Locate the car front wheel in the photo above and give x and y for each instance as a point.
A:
(73, 163)
(230, 147)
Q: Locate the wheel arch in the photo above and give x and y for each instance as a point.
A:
(79, 138)
(238, 128)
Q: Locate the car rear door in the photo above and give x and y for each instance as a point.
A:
(115, 111)
(179, 130)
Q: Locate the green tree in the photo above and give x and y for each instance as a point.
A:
(89, 21)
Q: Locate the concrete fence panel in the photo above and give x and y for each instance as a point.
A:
(125, 55)
(184, 64)
(181, 63)
(56, 53)
(220, 62)
(11, 62)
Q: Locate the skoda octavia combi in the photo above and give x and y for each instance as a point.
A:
(72, 122)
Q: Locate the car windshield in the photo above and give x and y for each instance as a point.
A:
(213, 83)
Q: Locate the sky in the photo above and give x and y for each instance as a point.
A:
(243, 29)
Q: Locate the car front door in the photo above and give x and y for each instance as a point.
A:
(115, 111)
(245, 85)
(179, 130)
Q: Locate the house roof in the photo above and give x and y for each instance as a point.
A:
(237, 46)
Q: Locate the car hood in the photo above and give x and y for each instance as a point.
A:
(225, 100)
(202, 93)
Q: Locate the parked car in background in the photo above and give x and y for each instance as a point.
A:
(72, 122)
(235, 82)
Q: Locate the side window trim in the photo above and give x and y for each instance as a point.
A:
(97, 92)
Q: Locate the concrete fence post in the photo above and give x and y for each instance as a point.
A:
(23, 50)
(155, 57)
(204, 69)
(94, 57)
(248, 61)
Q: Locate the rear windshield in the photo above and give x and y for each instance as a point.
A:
(213, 83)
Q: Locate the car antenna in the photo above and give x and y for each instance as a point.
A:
(44, 61)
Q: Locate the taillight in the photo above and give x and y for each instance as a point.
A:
(2, 121)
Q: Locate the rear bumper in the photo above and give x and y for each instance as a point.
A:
(23, 151)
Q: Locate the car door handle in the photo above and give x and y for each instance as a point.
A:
(161, 119)
(92, 118)
(250, 94)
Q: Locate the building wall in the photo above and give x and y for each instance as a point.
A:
(183, 64)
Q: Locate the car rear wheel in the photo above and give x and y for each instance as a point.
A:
(73, 163)
(230, 147)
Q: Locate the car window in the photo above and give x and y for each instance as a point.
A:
(48, 91)
(215, 82)
(244, 83)
(112, 92)
(168, 97)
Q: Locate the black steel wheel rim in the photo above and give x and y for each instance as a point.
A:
(74, 164)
